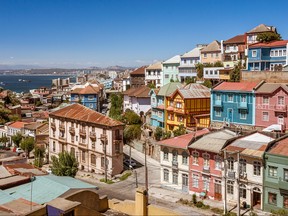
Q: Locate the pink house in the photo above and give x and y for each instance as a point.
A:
(206, 162)
(271, 106)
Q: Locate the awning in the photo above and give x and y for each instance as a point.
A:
(273, 127)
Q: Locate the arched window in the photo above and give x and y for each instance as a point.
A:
(195, 158)
(93, 159)
(242, 164)
(184, 157)
(165, 154)
(175, 156)
(206, 158)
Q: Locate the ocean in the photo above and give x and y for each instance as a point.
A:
(12, 82)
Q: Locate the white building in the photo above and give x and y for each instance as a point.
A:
(82, 131)
(154, 74)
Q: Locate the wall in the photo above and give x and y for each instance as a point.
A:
(268, 76)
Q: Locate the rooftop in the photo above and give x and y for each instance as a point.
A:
(18, 124)
(271, 87)
(192, 54)
(280, 43)
(139, 71)
(155, 66)
(214, 46)
(169, 88)
(235, 40)
(173, 60)
(82, 113)
(89, 89)
(262, 28)
(280, 147)
(236, 86)
(142, 91)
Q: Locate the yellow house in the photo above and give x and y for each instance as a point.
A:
(212, 53)
(188, 106)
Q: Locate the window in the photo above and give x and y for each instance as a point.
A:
(230, 163)
(153, 100)
(272, 171)
(272, 53)
(265, 116)
(165, 154)
(212, 55)
(272, 198)
(243, 191)
(166, 76)
(285, 176)
(265, 100)
(93, 145)
(93, 159)
(218, 112)
(205, 55)
(117, 147)
(72, 151)
(83, 156)
(54, 146)
(211, 72)
(195, 181)
(254, 53)
(230, 98)
(91, 106)
(230, 187)
(280, 52)
(166, 175)
(218, 97)
(242, 165)
(218, 162)
(90, 97)
(175, 156)
(175, 178)
(206, 72)
(195, 158)
(184, 61)
(206, 182)
(184, 158)
(256, 168)
(178, 105)
(276, 52)
(285, 201)
(243, 98)
(284, 52)
(180, 118)
(280, 100)
(206, 158)
(216, 55)
(243, 114)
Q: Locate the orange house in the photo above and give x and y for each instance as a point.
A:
(188, 106)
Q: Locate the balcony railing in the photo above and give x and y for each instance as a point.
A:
(82, 132)
(72, 130)
(62, 127)
(242, 105)
(283, 184)
(218, 103)
(92, 135)
(206, 169)
(280, 108)
(53, 125)
(174, 164)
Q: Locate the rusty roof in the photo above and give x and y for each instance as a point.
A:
(193, 90)
(142, 91)
(18, 124)
(236, 86)
(280, 43)
(139, 71)
(235, 40)
(86, 90)
(81, 113)
(280, 147)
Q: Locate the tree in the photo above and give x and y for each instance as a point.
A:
(4, 114)
(235, 74)
(151, 85)
(189, 80)
(218, 64)
(116, 106)
(4, 140)
(158, 133)
(171, 80)
(27, 144)
(39, 153)
(268, 36)
(130, 117)
(65, 164)
(167, 135)
(199, 69)
(207, 83)
(179, 131)
(17, 139)
(132, 132)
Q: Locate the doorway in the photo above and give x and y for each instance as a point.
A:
(257, 197)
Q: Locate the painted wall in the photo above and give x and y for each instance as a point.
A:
(211, 57)
(170, 71)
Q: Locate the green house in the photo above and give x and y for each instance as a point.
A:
(276, 175)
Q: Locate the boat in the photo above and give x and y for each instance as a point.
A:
(2, 83)
(20, 80)
(26, 80)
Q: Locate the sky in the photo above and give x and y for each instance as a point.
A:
(132, 33)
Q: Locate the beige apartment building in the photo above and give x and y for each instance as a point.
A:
(90, 136)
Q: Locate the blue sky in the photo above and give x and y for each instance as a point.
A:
(83, 33)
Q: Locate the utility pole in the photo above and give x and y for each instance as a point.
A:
(225, 182)
(238, 184)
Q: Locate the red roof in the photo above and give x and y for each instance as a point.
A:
(161, 106)
(280, 148)
(235, 40)
(84, 114)
(87, 90)
(18, 124)
(281, 43)
(140, 70)
(183, 141)
(236, 86)
(142, 91)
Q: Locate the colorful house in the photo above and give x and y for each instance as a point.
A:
(251, 36)
(188, 106)
(154, 75)
(270, 56)
(276, 175)
(158, 98)
(234, 51)
(206, 163)
(137, 77)
(174, 160)
(247, 170)
(271, 106)
(212, 53)
(233, 102)
(170, 69)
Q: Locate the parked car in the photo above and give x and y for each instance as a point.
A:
(19, 150)
(129, 163)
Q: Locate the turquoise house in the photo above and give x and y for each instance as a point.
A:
(158, 103)
(233, 102)
(276, 175)
(170, 69)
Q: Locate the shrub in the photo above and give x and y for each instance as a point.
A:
(217, 210)
(185, 202)
(252, 213)
(194, 198)
(230, 214)
(107, 182)
(199, 204)
(279, 212)
(125, 176)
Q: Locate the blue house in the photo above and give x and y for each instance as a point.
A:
(233, 102)
(88, 95)
(158, 103)
(270, 56)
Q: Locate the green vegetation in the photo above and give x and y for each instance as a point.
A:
(207, 83)
(217, 210)
(194, 203)
(39, 153)
(64, 165)
(179, 131)
(280, 212)
(194, 199)
(4, 140)
(189, 80)
(109, 181)
(116, 106)
(268, 37)
(17, 139)
(158, 133)
(235, 74)
(151, 85)
(125, 176)
(27, 144)
(132, 132)
(200, 67)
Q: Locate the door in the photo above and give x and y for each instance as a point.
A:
(184, 182)
(230, 115)
(257, 197)
(218, 190)
(280, 120)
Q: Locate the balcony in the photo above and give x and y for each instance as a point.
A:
(92, 135)
(231, 174)
(62, 138)
(53, 125)
(283, 185)
(280, 108)
(206, 169)
(243, 175)
(62, 127)
(242, 105)
(82, 144)
(71, 130)
(82, 132)
(174, 164)
(218, 103)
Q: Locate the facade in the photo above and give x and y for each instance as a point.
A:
(212, 53)
(188, 63)
(276, 175)
(233, 103)
(234, 51)
(88, 95)
(14, 128)
(188, 106)
(137, 99)
(174, 160)
(154, 75)
(84, 132)
(137, 77)
(158, 104)
(247, 170)
(206, 163)
(271, 106)
(60, 84)
(251, 36)
(270, 56)
(212, 73)
(170, 69)
(126, 82)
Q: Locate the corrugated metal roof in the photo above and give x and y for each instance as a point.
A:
(155, 66)
(236, 86)
(235, 40)
(280, 43)
(213, 142)
(271, 87)
(4, 197)
(214, 46)
(46, 188)
(262, 28)
(195, 90)
(193, 53)
(173, 60)
(169, 88)
(280, 147)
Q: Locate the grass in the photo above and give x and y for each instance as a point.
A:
(107, 182)
(125, 176)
